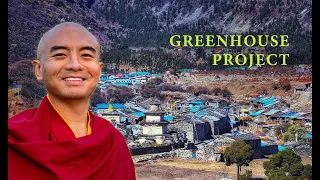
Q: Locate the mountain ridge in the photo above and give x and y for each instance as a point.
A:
(123, 25)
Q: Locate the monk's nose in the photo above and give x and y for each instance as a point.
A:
(74, 64)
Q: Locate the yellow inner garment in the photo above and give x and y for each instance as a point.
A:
(75, 134)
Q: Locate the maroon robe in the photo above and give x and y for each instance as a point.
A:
(42, 146)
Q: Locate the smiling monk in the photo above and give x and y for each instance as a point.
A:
(61, 139)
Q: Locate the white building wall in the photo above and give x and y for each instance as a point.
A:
(152, 130)
(153, 118)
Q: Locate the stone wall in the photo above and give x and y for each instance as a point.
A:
(207, 151)
(210, 151)
(203, 131)
(204, 151)
(153, 150)
(183, 153)
(183, 126)
(149, 144)
(148, 157)
(302, 149)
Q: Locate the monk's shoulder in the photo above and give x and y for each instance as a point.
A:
(101, 123)
(22, 117)
(19, 125)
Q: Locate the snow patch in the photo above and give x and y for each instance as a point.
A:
(189, 18)
(163, 8)
(237, 25)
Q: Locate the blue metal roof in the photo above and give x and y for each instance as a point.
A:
(231, 122)
(262, 99)
(140, 73)
(212, 118)
(199, 115)
(140, 109)
(216, 112)
(288, 114)
(196, 102)
(157, 75)
(207, 141)
(235, 115)
(271, 112)
(168, 118)
(115, 105)
(297, 115)
(195, 108)
(282, 147)
(270, 104)
(231, 68)
(106, 79)
(103, 78)
(257, 113)
(138, 114)
(103, 85)
(119, 111)
(123, 119)
(266, 100)
(309, 135)
(122, 83)
(185, 70)
(269, 101)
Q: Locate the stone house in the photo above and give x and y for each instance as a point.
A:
(111, 115)
(202, 125)
(268, 113)
(255, 142)
(154, 123)
(195, 129)
(104, 107)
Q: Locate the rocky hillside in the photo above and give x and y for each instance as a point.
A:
(126, 26)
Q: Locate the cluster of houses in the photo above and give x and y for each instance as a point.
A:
(302, 86)
(153, 126)
(150, 125)
(262, 114)
(135, 78)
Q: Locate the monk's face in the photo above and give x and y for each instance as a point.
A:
(69, 62)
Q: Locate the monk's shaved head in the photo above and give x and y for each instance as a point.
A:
(68, 62)
(54, 30)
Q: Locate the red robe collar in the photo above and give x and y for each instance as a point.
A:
(34, 154)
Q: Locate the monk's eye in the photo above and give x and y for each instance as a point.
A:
(86, 55)
(59, 55)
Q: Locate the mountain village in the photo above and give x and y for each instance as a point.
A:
(198, 126)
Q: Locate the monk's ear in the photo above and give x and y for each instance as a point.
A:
(37, 69)
(101, 65)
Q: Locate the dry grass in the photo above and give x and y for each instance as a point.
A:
(307, 160)
(243, 88)
(255, 166)
(177, 168)
(194, 169)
